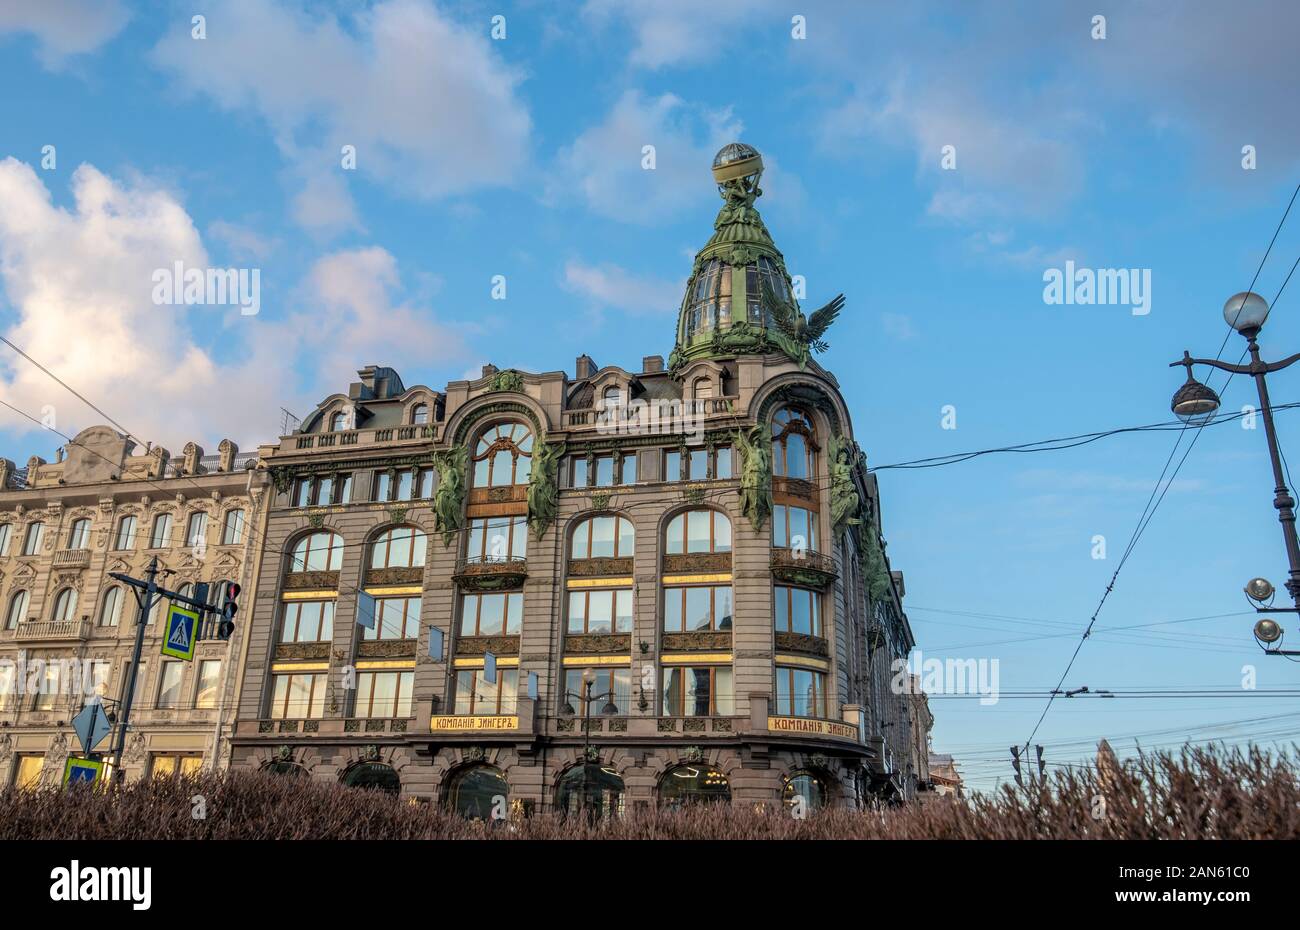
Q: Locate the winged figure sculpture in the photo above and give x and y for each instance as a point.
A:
(804, 331)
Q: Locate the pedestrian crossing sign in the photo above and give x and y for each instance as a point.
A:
(182, 631)
(81, 771)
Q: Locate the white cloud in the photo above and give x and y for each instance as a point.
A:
(64, 28)
(674, 32)
(609, 285)
(242, 241)
(603, 165)
(898, 326)
(79, 281)
(429, 104)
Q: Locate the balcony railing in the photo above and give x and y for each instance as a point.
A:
(55, 629)
(491, 574)
(358, 437)
(72, 558)
(631, 417)
(803, 566)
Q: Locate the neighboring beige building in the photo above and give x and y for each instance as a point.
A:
(944, 776)
(701, 538)
(67, 629)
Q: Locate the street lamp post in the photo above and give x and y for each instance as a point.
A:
(1195, 403)
(609, 710)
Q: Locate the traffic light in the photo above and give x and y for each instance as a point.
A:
(229, 607)
(1042, 766)
(1015, 764)
(201, 592)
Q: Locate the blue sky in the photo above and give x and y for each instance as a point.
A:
(521, 157)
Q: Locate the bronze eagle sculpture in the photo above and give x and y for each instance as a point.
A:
(803, 331)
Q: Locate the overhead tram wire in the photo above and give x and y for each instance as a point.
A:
(1149, 511)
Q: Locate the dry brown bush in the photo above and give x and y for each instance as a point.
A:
(1198, 793)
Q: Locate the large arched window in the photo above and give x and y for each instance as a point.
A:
(805, 789)
(699, 531)
(318, 552)
(693, 784)
(793, 444)
(110, 611)
(65, 605)
(375, 776)
(591, 787)
(399, 547)
(479, 792)
(17, 610)
(605, 537)
(709, 299)
(79, 534)
(503, 456)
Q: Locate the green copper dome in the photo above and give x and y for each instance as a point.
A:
(723, 312)
(740, 299)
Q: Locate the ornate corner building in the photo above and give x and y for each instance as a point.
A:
(628, 587)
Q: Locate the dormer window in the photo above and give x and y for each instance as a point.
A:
(420, 414)
(338, 422)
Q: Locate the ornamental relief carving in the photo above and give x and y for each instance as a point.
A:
(502, 495)
(302, 651)
(586, 568)
(598, 643)
(696, 640)
(802, 642)
(497, 645)
(700, 562)
(386, 648)
(394, 576)
(306, 581)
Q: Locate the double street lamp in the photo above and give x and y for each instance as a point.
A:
(610, 709)
(1195, 404)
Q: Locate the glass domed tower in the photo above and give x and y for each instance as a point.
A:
(722, 312)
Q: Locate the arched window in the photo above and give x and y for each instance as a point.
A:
(612, 397)
(793, 444)
(318, 552)
(693, 784)
(375, 776)
(479, 792)
(503, 456)
(608, 537)
(79, 534)
(65, 605)
(338, 422)
(805, 788)
(420, 414)
(35, 536)
(283, 768)
(699, 531)
(591, 787)
(709, 299)
(17, 610)
(6, 536)
(110, 611)
(399, 547)
(763, 273)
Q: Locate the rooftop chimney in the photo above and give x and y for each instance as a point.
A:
(586, 367)
(652, 363)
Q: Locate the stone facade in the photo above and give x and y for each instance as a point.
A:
(62, 532)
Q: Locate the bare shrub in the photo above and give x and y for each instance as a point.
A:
(1198, 793)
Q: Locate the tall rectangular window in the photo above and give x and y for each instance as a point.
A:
(491, 614)
(797, 610)
(698, 464)
(405, 485)
(169, 689)
(628, 468)
(35, 536)
(196, 532)
(497, 539)
(297, 696)
(703, 691)
(603, 611)
(205, 696)
(426, 483)
(604, 471)
(383, 486)
(395, 618)
(324, 492)
(672, 466)
(722, 462)
(307, 622)
(232, 531)
(344, 494)
(611, 684)
(161, 536)
(578, 475)
(302, 492)
(800, 692)
(478, 696)
(27, 772)
(383, 694)
(699, 607)
(125, 538)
